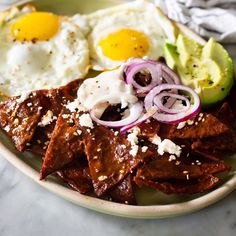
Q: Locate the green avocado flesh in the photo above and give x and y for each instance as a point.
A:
(207, 69)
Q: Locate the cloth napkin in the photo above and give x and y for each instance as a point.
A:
(208, 18)
(4, 4)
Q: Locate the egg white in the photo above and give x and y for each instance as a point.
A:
(139, 15)
(28, 66)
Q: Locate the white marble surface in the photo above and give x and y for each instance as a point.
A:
(27, 209)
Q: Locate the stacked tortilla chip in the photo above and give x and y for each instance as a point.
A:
(98, 160)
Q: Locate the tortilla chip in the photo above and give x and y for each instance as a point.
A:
(124, 192)
(194, 186)
(231, 99)
(56, 98)
(109, 157)
(208, 155)
(20, 120)
(65, 145)
(182, 168)
(225, 115)
(149, 129)
(77, 176)
(222, 143)
(200, 127)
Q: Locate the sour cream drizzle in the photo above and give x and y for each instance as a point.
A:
(107, 88)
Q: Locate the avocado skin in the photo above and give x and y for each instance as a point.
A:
(208, 69)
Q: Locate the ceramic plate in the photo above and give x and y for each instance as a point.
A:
(151, 204)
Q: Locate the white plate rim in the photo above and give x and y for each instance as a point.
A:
(112, 208)
(143, 212)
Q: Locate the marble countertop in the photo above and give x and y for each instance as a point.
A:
(28, 209)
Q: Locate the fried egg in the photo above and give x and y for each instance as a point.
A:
(39, 50)
(135, 29)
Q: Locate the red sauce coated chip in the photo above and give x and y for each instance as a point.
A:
(98, 160)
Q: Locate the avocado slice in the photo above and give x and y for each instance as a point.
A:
(187, 48)
(207, 69)
(171, 54)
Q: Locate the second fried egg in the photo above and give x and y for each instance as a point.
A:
(136, 29)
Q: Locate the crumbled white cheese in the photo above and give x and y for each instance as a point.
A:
(165, 146)
(177, 163)
(79, 132)
(136, 130)
(190, 122)
(155, 140)
(133, 136)
(75, 105)
(170, 147)
(172, 158)
(181, 125)
(23, 97)
(134, 150)
(7, 128)
(65, 116)
(16, 121)
(133, 139)
(85, 120)
(47, 119)
(144, 148)
(102, 177)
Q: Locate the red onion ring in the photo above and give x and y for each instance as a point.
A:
(170, 102)
(154, 71)
(173, 118)
(143, 118)
(135, 111)
(164, 84)
(134, 60)
(169, 75)
(158, 70)
(159, 98)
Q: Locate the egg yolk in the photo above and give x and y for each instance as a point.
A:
(35, 26)
(124, 44)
